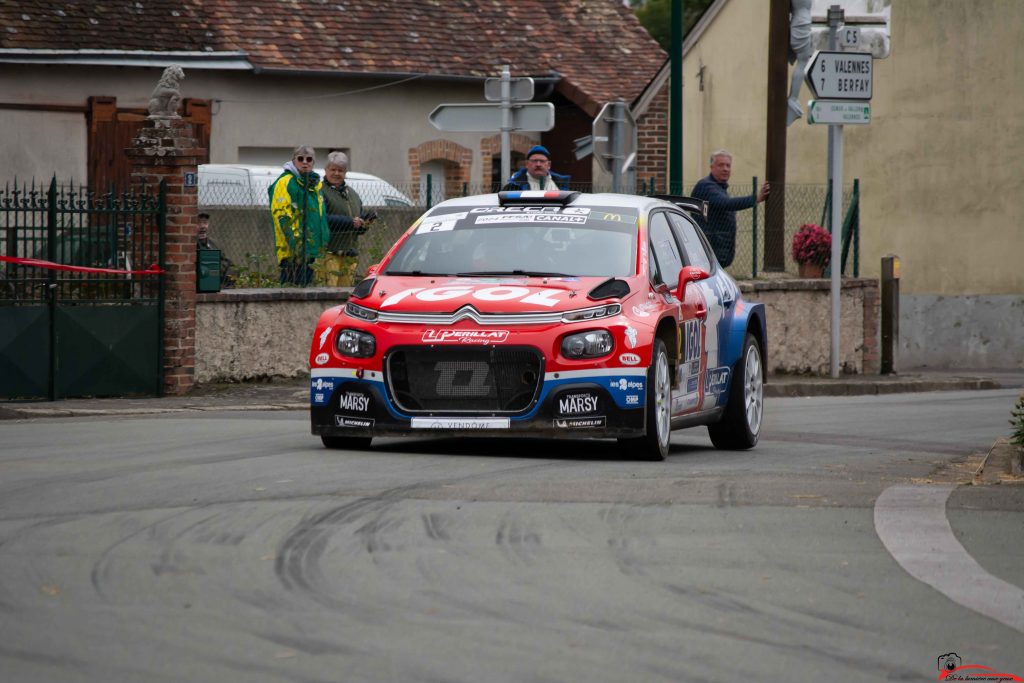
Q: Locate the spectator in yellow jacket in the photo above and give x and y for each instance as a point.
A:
(300, 228)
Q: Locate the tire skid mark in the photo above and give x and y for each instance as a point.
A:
(297, 561)
(516, 540)
(804, 651)
(622, 542)
(436, 526)
(101, 568)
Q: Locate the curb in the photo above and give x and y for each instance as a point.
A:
(1003, 461)
(31, 413)
(854, 387)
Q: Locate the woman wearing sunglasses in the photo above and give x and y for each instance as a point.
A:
(300, 227)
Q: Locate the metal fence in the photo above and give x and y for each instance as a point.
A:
(81, 291)
(245, 233)
(97, 238)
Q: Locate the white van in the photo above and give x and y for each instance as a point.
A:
(247, 185)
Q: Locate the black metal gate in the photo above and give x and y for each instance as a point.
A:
(81, 291)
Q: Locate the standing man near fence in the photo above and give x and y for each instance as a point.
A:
(720, 226)
(297, 209)
(346, 221)
(537, 174)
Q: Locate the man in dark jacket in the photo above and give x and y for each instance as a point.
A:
(537, 174)
(721, 224)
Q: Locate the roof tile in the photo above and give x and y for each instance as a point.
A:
(598, 46)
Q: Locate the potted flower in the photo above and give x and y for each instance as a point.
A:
(812, 249)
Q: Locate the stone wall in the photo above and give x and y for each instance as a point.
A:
(799, 316)
(248, 334)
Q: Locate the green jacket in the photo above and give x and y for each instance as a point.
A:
(298, 209)
(342, 204)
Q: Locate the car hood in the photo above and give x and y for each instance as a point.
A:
(487, 295)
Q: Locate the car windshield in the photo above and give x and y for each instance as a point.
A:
(526, 241)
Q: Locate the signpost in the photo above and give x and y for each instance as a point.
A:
(520, 89)
(843, 113)
(839, 75)
(841, 83)
(510, 112)
(480, 118)
(614, 138)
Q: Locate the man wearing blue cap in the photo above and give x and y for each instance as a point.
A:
(537, 174)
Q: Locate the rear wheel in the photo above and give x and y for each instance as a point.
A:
(353, 443)
(741, 424)
(654, 444)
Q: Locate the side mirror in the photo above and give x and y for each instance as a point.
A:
(372, 270)
(689, 274)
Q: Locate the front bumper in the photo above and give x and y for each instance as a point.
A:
(578, 404)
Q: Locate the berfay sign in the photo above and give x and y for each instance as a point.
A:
(839, 75)
(853, 113)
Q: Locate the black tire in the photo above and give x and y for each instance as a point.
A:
(351, 443)
(741, 425)
(653, 445)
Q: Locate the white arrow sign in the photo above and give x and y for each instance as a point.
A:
(484, 118)
(839, 75)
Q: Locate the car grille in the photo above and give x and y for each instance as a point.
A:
(464, 379)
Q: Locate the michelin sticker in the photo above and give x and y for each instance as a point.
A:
(358, 422)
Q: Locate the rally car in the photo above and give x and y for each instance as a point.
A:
(557, 314)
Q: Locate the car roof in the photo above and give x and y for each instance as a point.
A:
(603, 199)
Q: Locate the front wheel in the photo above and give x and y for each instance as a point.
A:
(653, 445)
(352, 443)
(741, 424)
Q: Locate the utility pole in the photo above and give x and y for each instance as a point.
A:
(775, 149)
(675, 108)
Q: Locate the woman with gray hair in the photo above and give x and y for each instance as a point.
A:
(345, 218)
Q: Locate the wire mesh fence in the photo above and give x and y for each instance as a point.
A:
(241, 225)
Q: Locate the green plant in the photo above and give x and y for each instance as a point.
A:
(812, 244)
(1017, 422)
(256, 274)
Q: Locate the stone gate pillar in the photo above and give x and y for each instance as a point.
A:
(166, 150)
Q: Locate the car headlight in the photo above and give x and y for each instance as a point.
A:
(592, 313)
(360, 312)
(355, 343)
(591, 344)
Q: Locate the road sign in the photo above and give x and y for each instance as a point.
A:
(520, 89)
(602, 134)
(486, 118)
(849, 37)
(843, 113)
(839, 75)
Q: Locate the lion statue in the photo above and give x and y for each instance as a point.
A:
(163, 103)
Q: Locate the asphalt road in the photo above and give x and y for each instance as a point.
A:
(233, 547)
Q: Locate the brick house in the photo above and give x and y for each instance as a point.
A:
(262, 77)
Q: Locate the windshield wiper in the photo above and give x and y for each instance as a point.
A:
(521, 273)
(415, 273)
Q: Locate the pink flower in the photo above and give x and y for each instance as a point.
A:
(812, 244)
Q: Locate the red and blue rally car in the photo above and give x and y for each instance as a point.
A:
(558, 314)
